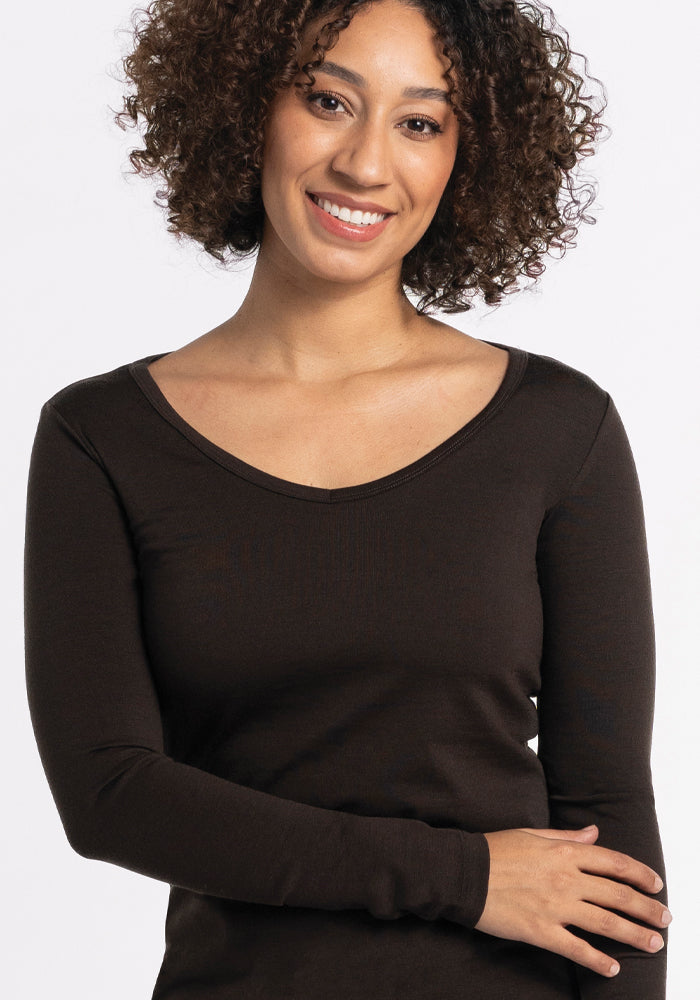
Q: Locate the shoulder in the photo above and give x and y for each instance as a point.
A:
(557, 414)
(558, 384)
(97, 397)
(105, 414)
(561, 402)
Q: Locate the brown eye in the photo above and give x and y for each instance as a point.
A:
(325, 96)
(430, 127)
(433, 126)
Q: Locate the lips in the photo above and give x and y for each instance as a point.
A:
(345, 201)
(347, 215)
(346, 230)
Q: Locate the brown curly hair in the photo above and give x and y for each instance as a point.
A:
(204, 73)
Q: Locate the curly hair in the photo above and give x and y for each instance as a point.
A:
(203, 74)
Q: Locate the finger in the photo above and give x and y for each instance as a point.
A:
(586, 836)
(563, 942)
(610, 925)
(618, 896)
(615, 864)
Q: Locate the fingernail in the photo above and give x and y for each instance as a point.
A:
(656, 942)
(614, 969)
(591, 827)
(666, 918)
(658, 884)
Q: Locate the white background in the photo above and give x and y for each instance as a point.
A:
(93, 280)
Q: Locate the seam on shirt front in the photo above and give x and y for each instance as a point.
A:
(90, 449)
(584, 463)
(85, 443)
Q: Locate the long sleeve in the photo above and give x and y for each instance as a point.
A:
(598, 672)
(95, 711)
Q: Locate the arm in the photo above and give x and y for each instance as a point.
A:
(598, 666)
(121, 799)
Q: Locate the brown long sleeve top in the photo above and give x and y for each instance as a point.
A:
(303, 707)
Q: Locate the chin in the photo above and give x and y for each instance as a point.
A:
(344, 275)
(349, 267)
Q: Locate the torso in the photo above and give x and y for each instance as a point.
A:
(333, 436)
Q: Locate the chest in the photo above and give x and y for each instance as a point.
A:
(239, 582)
(332, 438)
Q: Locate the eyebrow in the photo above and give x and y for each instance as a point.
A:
(349, 76)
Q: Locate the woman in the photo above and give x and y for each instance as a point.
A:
(292, 588)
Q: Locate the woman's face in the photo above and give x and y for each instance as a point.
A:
(365, 142)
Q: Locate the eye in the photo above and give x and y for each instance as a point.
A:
(325, 95)
(430, 127)
(436, 130)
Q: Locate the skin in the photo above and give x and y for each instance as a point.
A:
(370, 151)
(326, 347)
(542, 881)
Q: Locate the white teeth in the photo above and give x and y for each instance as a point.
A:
(355, 217)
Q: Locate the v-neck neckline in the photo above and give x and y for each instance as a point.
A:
(517, 362)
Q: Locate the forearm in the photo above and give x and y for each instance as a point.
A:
(173, 822)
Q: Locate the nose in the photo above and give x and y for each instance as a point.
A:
(364, 153)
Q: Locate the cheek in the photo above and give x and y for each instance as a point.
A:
(441, 175)
(428, 180)
(279, 140)
(290, 140)
(427, 167)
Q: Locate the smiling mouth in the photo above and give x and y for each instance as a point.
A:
(353, 217)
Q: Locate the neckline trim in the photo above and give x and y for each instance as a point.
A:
(517, 362)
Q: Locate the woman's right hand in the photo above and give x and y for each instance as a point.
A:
(542, 881)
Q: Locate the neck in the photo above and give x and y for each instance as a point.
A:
(304, 328)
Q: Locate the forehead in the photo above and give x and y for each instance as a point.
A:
(389, 35)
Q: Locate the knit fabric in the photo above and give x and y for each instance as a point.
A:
(303, 707)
